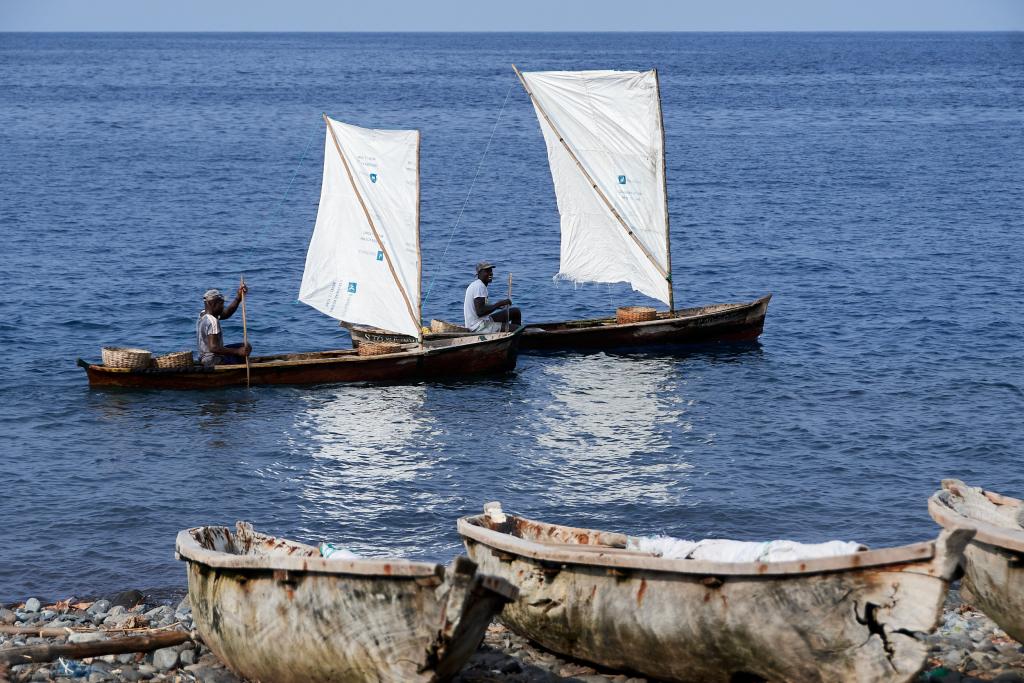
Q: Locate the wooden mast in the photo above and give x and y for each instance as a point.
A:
(419, 252)
(664, 179)
(369, 219)
(629, 231)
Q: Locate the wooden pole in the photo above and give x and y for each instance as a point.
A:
(31, 654)
(369, 219)
(561, 139)
(245, 331)
(664, 179)
(508, 309)
(419, 251)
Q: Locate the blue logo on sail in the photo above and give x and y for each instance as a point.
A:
(373, 177)
(352, 288)
(622, 180)
(380, 255)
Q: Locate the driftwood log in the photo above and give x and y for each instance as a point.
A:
(34, 654)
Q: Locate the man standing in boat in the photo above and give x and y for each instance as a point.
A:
(209, 340)
(481, 316)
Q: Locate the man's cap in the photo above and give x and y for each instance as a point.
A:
(212, 294)
(483, 265)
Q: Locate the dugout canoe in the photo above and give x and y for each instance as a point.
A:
(993, 561)
(715, 324)
(846, 618)
(274, 610)
(437, 359)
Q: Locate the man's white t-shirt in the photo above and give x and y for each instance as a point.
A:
(206, 325)
(475, 290)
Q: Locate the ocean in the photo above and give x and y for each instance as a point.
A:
(873, 182)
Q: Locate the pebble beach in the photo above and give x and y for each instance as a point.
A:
(967, 646)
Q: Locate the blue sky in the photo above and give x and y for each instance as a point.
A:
(519, 15)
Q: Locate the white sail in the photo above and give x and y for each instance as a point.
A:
(611, 122)
(370, 185)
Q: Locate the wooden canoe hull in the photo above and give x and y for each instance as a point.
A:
(719, 323)
(839, 619)
(993, 563)
(441, 359)
(270, 619)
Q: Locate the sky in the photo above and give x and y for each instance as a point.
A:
(519, 15)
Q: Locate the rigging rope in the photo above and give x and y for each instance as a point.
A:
(468, 194)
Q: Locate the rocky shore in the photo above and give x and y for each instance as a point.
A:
(966, 647)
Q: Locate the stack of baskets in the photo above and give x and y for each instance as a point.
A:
(178, 360)
(635, 314)
(120, 357)
(440, 326)
(377, 348)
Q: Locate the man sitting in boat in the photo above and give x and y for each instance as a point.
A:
(484, 317)
(209, 341)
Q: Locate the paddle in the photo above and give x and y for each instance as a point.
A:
(245, 330)
(508, 307)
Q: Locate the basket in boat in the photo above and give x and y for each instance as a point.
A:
(120, 357)
(440, 326)
(174, 361)
(635, 314)
(367, 348)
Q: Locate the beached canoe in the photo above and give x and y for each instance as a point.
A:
(994, 560)
(439, 359)
(274, 610)
(846, 618)
(720, 323)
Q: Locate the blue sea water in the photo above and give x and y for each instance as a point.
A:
(873, 182)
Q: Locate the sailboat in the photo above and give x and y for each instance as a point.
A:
(605, 139)
(363, 266)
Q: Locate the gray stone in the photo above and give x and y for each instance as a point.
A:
(97, 677)
(116, 610)
(34, 640)
(147, 669)
(981, 659)
(184, 606)
(165, 658)
(130, 675)
(86, 636)
(32, 605)
(159, 613)
(98, 607)
(42, 674)
(127, 658)
(952, 659)
(129, 598)
(7, 616)
(1009, 677)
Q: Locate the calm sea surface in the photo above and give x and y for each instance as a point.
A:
(873, 182)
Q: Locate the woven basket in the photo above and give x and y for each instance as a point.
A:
(440, 326)
(377, 348)
(119, 357)
(635, 314)
(174, 361)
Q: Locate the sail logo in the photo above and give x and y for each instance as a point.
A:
(352, 288)
(380, 255)
(373, 177)
(622, 180)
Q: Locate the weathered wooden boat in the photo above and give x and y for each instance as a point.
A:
(363, 264)
(274, 610)
(846, 618)
(718, 323)
(439, 359)
(994, 560)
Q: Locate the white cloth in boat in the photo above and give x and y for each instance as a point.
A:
(724, 550)
(330, 551)
(475, 323)
(206, 325)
